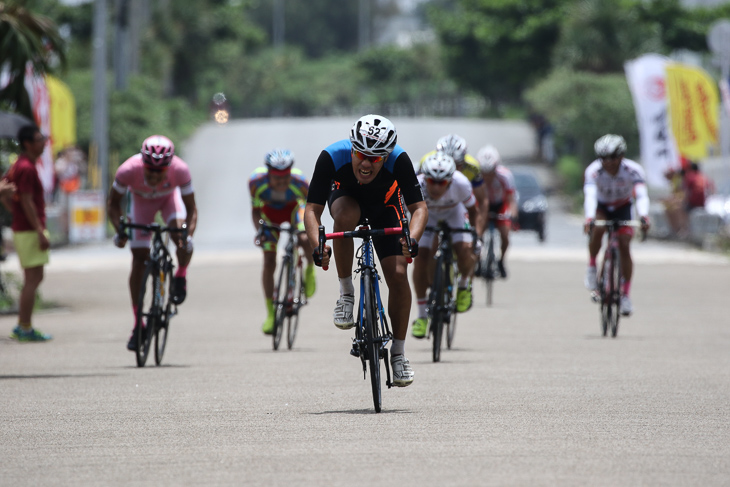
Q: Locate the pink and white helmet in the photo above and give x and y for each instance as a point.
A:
(157, 152)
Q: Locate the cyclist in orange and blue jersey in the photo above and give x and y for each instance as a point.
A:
(278, 193)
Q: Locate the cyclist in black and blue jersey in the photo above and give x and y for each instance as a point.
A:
(369, 176)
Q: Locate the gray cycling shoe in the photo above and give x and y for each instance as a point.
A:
(344, 319)
(402, 371)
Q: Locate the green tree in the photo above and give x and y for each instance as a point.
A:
(601, 35)
(318, 27)
(195, 46)
(582, 106)
(498, 48)
(26, 39)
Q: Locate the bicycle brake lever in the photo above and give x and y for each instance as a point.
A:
(322, 240)
(407, 235)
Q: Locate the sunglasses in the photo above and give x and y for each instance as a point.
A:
(435, 182)
(373, 159)
(156, 170)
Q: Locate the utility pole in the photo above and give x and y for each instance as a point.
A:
(364, 25)
(279, 24)
(718, 40)
(100, 120)
(121, 43)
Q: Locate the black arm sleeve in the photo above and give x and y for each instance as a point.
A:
(407, 181)
(321, 182)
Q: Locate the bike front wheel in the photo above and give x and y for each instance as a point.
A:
(164, 325)
(438, 313)
(489, 269)
(372, 338)
(615, 292)
(280, 301)
(148, 314)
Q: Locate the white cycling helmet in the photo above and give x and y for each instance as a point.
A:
(439, 167)
(279, 159)
(489, 158)
(610, 145)
(453, 145)
(373, 135)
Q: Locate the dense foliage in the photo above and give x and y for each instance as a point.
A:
(490, 51)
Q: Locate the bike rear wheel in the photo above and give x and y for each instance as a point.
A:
(281, 291)
(164, 325)
(148, 314)
(372, 338)
(296, 304)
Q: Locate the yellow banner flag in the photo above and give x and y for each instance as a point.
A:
(694, 108)
(63, 115)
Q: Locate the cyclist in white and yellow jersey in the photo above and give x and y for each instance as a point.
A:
(455, 146)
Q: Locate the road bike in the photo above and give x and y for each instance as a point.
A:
(487, 266)
(289, 294)
(154, 305)
(442, 297)
(608, 290)
(372, 332)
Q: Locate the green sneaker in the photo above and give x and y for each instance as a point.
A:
(31, 335)
(310, 281)
(463, 300)
(420, 327)
(268, 327)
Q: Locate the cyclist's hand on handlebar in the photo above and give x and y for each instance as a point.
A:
(414, 248)
(645, 223)
(477, 247)
(120, 240)
(644, 227)
(587, 226)
(322, 260)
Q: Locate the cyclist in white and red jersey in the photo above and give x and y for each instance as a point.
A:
(449, 198)
(500, 184)
(156, 180)
(611, 182)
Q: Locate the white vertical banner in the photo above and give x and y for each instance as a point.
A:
(725, 94)
(647, 77)
(40, 102)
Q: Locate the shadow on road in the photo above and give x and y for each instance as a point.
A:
(53, 376)
(364, 411)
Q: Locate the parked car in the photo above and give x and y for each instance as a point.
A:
(531, 201)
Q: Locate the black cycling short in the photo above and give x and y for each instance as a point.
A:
(381, 213)
(620, 213)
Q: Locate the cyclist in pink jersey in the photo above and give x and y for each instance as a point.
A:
(500, 185)
(156, 180)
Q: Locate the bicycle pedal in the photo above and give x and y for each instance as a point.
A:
(595, 297)
(355, 350)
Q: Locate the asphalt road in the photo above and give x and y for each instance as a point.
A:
(531, 394)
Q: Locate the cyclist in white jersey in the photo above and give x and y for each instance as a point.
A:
(449, 197)
(611, 182)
